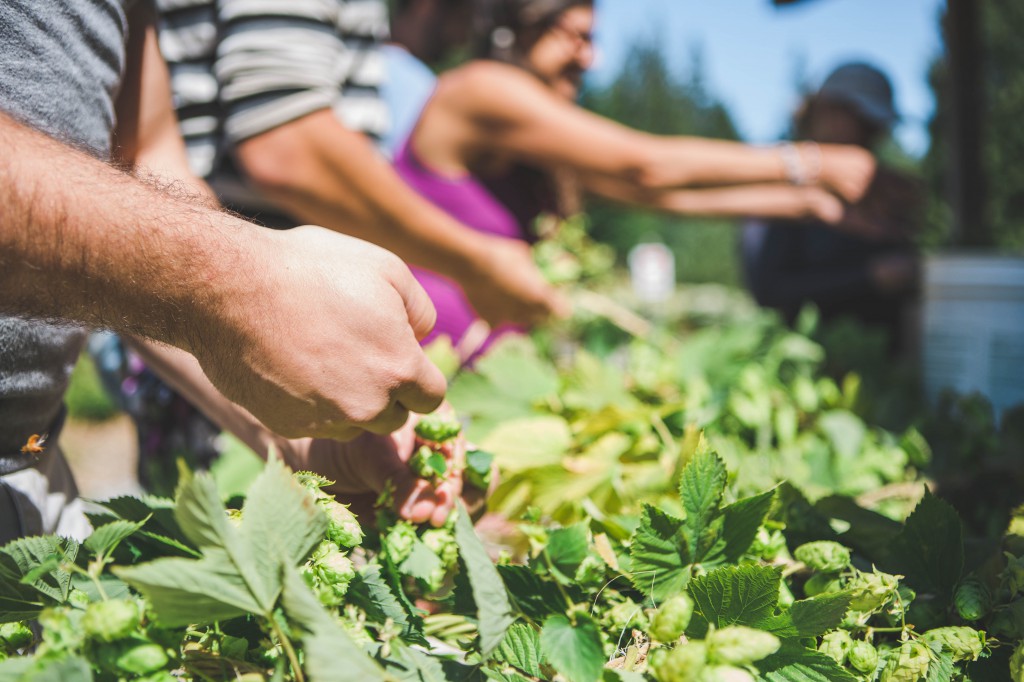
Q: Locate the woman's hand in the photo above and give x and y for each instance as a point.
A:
(845, 169)
(364, 467)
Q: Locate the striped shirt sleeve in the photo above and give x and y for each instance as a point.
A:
(279, 60)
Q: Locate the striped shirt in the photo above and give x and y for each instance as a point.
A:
(242, 67)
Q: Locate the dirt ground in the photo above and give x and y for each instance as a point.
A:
(103, 457)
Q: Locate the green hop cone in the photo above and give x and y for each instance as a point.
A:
(141, 658)
(1017, 664)
(973, 600)
(1013, 574)
(426, 463)
(740, 645)
(671, 618)
(725, 673)
(872, 591)
(966, 644)
(62, 629)
(14, 636)
(682, 663)
(590, 572)
(836, 645)
(823, 556)
(822, 583)
(479, 469)
(862, 656)
(343, 528)
(109, 621)
(329, 573)
(626, 615)
(399, 541)
(438, 428)
(441, 542)
(909, 663)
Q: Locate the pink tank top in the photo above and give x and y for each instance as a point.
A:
(478, 206)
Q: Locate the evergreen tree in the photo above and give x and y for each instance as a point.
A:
(647, 95)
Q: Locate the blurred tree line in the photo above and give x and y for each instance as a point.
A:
(649, 96)
(1002, 25)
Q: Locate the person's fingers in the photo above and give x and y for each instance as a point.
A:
(391, 419)
(559, 305)
(424, 391)
(419, 308)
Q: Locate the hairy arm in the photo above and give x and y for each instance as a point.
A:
(313, 332)
(504, 107)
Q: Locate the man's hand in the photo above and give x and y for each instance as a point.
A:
(506, 287)
(320, 337)
(363, 468)
(846, 170)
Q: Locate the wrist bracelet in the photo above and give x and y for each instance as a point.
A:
(792, 164)
(813, 158)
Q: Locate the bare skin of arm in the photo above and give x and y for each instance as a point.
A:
(147, 139)
(488, 111)
(314, 332)
(764, 200)
(323, 173)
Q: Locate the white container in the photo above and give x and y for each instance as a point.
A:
(973, 324)
(652, 272)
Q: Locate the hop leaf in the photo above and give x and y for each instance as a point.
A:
(740, 645)
(824, 556)
(672, 618)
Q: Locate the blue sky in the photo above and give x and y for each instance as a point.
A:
(751, 50)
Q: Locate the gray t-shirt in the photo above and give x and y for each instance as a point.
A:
(61, 65)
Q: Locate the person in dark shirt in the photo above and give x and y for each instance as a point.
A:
(867, 271)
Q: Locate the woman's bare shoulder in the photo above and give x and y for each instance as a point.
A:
(481, 84)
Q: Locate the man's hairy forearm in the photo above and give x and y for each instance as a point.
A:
(82, 241)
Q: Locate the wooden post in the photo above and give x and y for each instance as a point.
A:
(967, 184)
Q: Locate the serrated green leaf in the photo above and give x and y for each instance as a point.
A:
(329, 654)
(929, 551)
(567, 548)
(494, 612)
(740, 522)
(660, 561)
(159, 510)
(107, 537)
(185, 591)
(31, 577)
(421, 562)
(574, 650)
(161, 545)
(503, 676)
(281, 523)
(941, 668)
(371, 593)
(535, 598)
(700, 490)
(743, 595)
(528, 443)
(521, 649)
(405, 664)
(809, 617)
(796, 663)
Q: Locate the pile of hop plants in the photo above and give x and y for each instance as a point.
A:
(720, 587)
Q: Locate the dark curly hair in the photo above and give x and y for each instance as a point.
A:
(506, 29)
